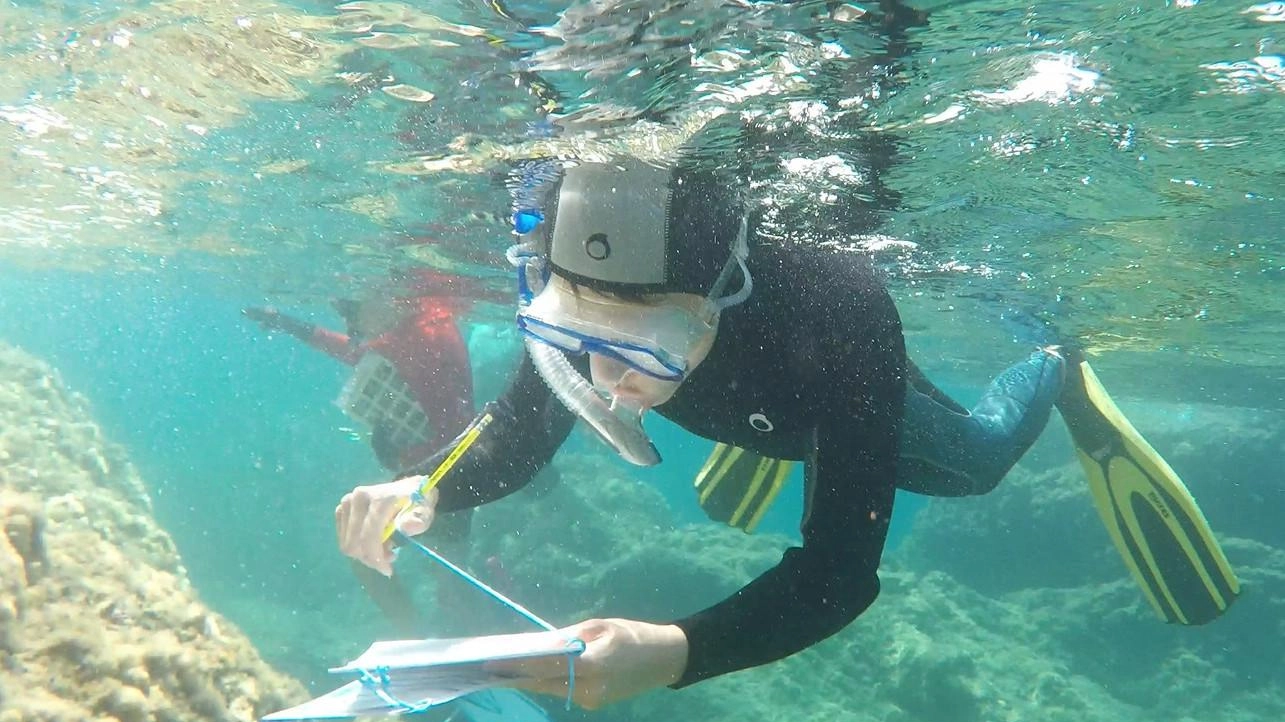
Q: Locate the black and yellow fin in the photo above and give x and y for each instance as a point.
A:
(737, 487)
(1151, 516)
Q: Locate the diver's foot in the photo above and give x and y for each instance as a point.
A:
(1073, 392)
(1068, 351)
(1039, 381)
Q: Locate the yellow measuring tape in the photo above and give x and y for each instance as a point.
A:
(466, 440)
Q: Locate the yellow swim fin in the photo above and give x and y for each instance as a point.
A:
(1152, 518)
(737, 487)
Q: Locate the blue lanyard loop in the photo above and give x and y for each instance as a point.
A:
(574, 646)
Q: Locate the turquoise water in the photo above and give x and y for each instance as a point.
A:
(1111, 169)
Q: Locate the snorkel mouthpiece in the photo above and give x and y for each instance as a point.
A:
(618, 424)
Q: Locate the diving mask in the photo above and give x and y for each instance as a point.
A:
(654, 339)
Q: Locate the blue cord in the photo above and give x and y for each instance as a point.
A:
(574, 646)
(380, 686)
(479, 584)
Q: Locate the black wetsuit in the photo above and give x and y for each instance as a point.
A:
(810, 367)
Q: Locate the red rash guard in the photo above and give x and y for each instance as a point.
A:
(430, 354)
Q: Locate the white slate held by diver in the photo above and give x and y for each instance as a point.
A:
(408, 675)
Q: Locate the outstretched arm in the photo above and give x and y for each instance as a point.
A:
(335, 344)
(820, 587)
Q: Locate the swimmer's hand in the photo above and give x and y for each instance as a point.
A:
(270, 319)
(622, 658)
(266, 316)
(365, 513)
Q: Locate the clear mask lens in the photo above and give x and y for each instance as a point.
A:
(656, 340)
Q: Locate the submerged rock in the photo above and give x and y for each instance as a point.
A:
(1037, 542)
(97, 618)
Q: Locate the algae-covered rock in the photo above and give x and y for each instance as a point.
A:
(1037, 542)
(97, 618)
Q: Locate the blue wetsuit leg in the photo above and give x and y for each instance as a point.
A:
(947, 450)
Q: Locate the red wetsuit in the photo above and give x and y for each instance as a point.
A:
(430, 354)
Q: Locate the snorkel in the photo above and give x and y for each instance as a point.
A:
(618, 424)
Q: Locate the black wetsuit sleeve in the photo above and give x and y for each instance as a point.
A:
(527, 427)
(819, 588)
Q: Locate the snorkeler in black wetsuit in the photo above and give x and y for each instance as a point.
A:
(813, 373)
(790, 351)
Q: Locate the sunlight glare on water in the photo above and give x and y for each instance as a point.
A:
(1100, 168)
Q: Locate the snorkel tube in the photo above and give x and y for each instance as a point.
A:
(618, 424)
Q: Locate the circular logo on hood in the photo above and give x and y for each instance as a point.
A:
(597, 247)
